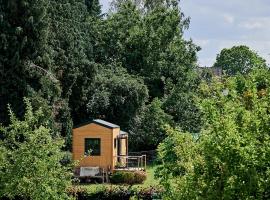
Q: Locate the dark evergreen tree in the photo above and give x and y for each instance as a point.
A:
(25, 63)
(93, 7)
(71, 41)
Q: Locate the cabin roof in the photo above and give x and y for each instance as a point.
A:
(99, 122)
(123, 132)
(105, 123)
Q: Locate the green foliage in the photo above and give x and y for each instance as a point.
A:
(148, 127)
(149, 44)
(239, 59)
(178, 153)
(124, 177)
(114, 92)
(30, 159)
(113, 193)
(64, 56)
(146, 37)
(29, 63)
(116, 193)
(93, 7)
(181, 105)
(23, 46)
(71, 42)
(230, 158)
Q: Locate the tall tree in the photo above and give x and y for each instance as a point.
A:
(238, 59)
(24, 53)
(71, 39)
(93, 7)
(149, 44)
(116, 95)
(146, 37)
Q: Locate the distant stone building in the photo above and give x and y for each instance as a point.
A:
(217, 71)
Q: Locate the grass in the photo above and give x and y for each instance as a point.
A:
(150, 181)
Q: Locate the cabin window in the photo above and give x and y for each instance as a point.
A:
(115, 143)
(92, 146)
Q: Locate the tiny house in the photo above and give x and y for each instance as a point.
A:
(99, 144)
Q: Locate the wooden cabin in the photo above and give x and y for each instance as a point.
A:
(99, 144)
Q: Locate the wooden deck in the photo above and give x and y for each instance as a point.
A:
(130, 163)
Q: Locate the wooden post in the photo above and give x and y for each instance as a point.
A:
(127, 146)
(127, 161)
(145, 162)
(103, 174)
(107, 177)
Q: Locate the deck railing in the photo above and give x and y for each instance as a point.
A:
(130, 163)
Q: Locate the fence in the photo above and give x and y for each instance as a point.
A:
(151, 155)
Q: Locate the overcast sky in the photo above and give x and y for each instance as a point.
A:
(218, 24)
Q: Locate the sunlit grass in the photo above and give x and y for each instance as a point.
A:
(150, 181)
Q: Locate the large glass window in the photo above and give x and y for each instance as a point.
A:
(92, 146)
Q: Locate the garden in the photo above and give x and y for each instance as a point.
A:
(64, 63)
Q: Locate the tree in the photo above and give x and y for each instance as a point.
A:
(23, 45)
(230, 157)
(239, 59)
(30, 159)
(28, 65)
(93, 7)
(146, 37)
(180, 103)
(148, 128)
(149, 43)
(71, 41)
(116, 96)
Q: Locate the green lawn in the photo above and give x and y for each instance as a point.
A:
(150, 181)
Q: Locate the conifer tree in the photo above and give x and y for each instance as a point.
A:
(23, 51)
(93, 7)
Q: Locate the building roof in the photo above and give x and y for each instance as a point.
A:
(99, 122)
(105, 123)
(123, 132)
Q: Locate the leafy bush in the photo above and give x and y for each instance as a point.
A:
(128, 177)
(230, 158)
(139, 177)
(116, 193)
(149, 193)
(113, 193)
(30, 159)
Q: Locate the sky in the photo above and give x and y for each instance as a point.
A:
(218, 24)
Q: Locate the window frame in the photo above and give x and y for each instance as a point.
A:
(97, 152)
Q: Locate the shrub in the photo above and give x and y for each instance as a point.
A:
(230, 158)
(30, 159)
(149, 193)
(139, 177)
(113, 193)
(128, 177)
